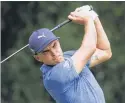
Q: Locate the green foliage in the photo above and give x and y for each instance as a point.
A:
(21, 75)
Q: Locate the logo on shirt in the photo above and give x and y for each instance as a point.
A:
(66, 65)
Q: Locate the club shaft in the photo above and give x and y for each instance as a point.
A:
(57, 27)
(60, 25)
(14, 53)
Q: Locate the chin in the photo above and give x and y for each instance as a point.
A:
(56, 62)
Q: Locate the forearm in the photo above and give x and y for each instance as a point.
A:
(87, 48)
(90, 37)
(102, 39)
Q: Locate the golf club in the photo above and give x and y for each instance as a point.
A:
(89, 7)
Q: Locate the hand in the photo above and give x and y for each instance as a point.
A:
(87, 8)
(81, 17)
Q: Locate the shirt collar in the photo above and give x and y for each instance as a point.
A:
(45, 68)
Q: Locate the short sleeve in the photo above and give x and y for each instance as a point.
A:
(71, 53)
(62, 75)
(86, 70)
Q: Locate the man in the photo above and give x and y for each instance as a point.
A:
(66, 76)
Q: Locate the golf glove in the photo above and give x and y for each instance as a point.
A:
(88, 8)
(93, 14)
(83, 8)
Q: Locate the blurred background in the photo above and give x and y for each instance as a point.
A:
(20, 75)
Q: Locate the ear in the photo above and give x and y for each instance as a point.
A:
(37, 57)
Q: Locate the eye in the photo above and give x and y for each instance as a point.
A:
(45, 51)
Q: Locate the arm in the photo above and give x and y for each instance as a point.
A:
(87, 48)
(103, 49)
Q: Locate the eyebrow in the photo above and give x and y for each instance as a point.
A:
(45, 50)
(50, 45)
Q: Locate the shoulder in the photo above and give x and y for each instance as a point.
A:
(61, 70)
(67, 63)
(61, 74)
(69, 53)
(45, 68)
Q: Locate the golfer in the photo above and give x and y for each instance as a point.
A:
(67, 76)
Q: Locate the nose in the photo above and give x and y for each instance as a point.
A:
(54, 52)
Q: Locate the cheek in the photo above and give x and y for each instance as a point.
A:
(60, 50)
(46, 58)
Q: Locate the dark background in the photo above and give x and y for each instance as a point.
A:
(20, 75)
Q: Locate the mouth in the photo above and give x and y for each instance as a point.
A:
(58, 58)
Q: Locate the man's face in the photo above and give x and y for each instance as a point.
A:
(52, 54)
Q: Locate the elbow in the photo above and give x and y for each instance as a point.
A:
(109, 54)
